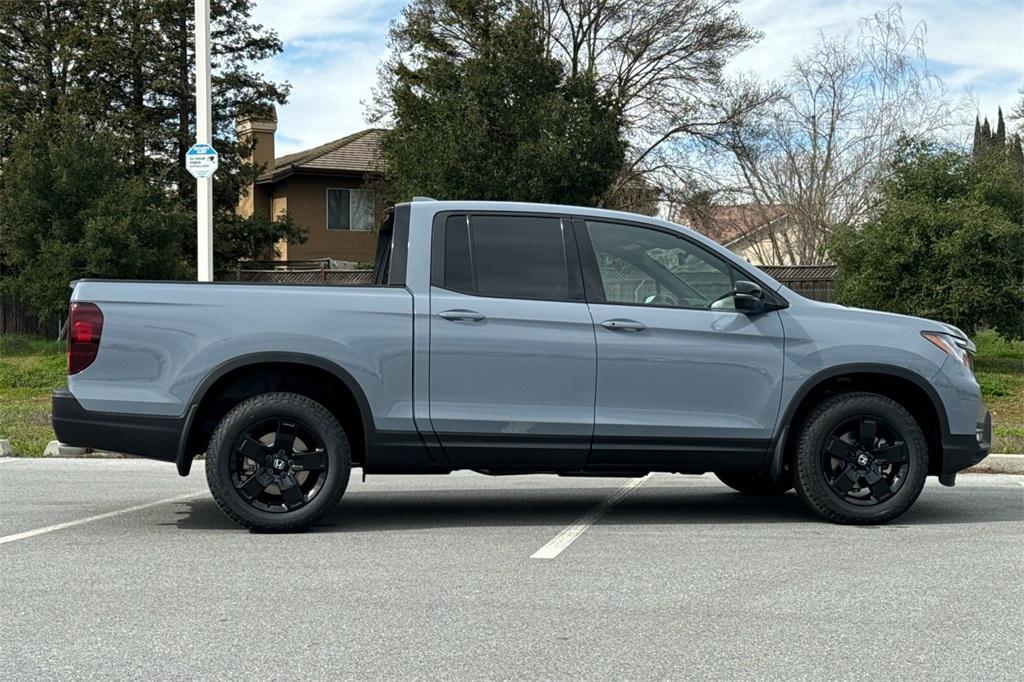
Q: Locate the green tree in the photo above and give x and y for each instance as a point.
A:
(948, 243)
(71, 208)
(253, 238)
(128, 67)
(481, 111)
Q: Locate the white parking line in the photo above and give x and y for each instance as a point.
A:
(89, 519)
(558, 543)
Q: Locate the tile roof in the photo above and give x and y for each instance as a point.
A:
(356, 153)
(727, 223)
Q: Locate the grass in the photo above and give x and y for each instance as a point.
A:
(31, 367)
(1000, 371)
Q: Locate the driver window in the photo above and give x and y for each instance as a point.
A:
(640, 266)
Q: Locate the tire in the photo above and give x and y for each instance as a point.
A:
(755, 483)
(291, 476)
(861, 458)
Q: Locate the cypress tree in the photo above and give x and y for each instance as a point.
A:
(1000, 138)
(1016, 154)
(976, 147)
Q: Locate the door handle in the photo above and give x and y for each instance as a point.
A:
(624, 325)
(463, 315)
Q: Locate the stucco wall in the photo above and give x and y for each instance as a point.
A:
(307, 203)
(305, 197)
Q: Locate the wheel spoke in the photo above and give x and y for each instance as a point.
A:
(285, 437)
(309, 461)
(838, 448)
(879, 487)
(291, 493)
(846, 480)
(254, 450)
(254, 486)
(892, 454)
(866, 436)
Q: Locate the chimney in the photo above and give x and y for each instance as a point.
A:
(259, 127)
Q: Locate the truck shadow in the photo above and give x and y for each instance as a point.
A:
(368, 511)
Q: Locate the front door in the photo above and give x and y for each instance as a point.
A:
(683, 380)
(512, 350)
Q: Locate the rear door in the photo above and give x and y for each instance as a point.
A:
(683, 380)
(512, 349)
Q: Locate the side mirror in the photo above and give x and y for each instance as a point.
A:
(748, 296)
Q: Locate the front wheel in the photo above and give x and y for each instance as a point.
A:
(861, 459)
(277, 462)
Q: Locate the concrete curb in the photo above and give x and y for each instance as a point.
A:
(999, 464)
(58, 449)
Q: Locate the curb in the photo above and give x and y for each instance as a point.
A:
(58, 449)
(999, 464)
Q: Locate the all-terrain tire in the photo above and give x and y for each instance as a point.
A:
(811, 481)
(268, 406)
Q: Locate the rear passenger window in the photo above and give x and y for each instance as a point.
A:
(506, 256)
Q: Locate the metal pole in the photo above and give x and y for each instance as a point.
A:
(204, 186)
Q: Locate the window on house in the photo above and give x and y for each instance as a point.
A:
(349, 209)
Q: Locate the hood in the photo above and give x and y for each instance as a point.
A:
(921, 323)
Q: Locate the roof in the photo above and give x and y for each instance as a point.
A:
(356, 153)
(728, 223)
(430, 207)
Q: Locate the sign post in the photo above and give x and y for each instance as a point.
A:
(203, 152)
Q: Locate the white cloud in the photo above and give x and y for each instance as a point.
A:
(333, 47)
(977, 48)
(297, 19)
(331, 53)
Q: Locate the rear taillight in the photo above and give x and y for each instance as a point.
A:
(85, 326)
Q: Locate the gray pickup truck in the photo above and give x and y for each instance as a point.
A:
(521, 338)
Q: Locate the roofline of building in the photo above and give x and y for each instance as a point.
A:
(274, 176)
(747, 235)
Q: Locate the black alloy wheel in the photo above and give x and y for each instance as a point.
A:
(278, 462)
(860, 458)
(279, 465)
(865, 460)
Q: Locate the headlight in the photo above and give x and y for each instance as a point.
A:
(953, 346)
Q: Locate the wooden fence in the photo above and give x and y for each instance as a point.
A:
(812, 281)
(16, 317)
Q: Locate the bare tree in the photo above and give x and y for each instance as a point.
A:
(661, 61)
(1017, 113)
(820, 153)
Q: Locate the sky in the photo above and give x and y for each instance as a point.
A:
(332, 49)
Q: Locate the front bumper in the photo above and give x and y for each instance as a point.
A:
(134, 434)
(962, 451)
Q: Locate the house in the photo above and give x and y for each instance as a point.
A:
(760, 234)
(332, 190)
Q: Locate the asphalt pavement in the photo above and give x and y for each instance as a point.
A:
(117, 569)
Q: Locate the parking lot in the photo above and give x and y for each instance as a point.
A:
(119, 568)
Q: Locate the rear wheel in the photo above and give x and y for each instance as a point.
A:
(861, 459)
(278, 461)
(755, 483)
